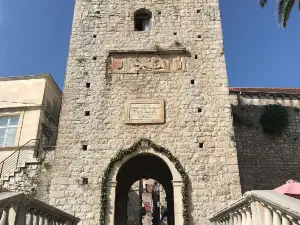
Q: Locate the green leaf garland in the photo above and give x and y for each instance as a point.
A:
(125, 152)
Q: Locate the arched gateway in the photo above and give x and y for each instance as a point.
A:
(143, 160)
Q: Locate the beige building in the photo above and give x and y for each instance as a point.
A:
(29, 113)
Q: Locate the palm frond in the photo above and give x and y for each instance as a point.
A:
(263, 2)
(283, 11)
(279, 10)
(287, 12)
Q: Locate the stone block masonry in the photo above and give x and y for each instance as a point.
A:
(33, 178)
(201, 140)
(266, 162)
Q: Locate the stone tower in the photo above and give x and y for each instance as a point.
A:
(145, 96)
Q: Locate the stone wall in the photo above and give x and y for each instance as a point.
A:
(197, 127)
(32, 179)
(44, 176)
(265, 162)
(134, 204)
(26, 180)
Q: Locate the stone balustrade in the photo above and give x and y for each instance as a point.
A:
(21, 209)
(260, 208)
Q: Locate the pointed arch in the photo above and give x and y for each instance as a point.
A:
(144, 146)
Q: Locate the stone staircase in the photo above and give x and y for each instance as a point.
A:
(20, 163)
(22, 209)
(260, 207)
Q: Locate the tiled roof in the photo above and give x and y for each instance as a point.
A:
(265, 90)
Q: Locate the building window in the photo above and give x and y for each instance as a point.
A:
(8, 130)
(142, 19)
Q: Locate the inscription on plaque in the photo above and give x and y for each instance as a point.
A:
(144, 111)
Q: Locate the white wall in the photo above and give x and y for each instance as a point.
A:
(21, 92)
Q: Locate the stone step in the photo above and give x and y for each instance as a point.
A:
(18, 169)
(32, 160)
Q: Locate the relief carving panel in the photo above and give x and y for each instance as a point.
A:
(142, 63)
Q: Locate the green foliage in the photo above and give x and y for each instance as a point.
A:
(262, 3)
(47, 165)
(274, 119)
(125, 152)
(283, 10)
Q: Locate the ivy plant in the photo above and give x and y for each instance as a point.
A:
(274, 119)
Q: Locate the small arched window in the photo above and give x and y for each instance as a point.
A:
(142, 19)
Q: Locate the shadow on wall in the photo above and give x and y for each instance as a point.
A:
(266, 161)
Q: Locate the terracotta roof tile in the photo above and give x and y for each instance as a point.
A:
(265, 90)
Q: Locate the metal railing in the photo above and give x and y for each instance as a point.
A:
(262, 207)
(31, 150)
(21, 209)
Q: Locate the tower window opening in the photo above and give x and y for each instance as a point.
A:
(142, 19)
(85, 180)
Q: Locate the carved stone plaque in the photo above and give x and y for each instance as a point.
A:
(144, 63)
(144, 111)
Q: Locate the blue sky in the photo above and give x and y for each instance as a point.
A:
(34, 38)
